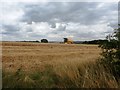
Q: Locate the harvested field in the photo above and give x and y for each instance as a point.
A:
(53, 65)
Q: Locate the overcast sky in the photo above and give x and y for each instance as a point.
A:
(56, 20)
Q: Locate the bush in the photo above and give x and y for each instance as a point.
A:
(111, 52)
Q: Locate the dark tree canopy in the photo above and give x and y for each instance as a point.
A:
(44, 41)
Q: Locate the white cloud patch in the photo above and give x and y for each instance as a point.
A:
(10, 13)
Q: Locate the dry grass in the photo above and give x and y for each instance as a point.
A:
(53, 65)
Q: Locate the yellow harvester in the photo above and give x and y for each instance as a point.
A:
(68, 41)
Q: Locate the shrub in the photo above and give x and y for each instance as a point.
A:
(111, 52)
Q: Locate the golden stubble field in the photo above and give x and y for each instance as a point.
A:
(31, 56)
(53, 65)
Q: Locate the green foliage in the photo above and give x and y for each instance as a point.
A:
(44, 41)
(111, 52)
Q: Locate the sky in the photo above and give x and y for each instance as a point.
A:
(34, 20)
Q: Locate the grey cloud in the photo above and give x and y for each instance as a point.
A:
(10, 29)
(29, 30)
(61, 27)
(113, 24)
(53, 25)
(36, 35)
(82, 12)
(119, 12)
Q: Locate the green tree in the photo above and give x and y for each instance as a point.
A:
(111, 52)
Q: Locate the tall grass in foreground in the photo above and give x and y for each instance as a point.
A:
(88, 75)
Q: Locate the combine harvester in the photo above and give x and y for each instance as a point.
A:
(68, 41)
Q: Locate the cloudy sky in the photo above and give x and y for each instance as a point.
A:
(56, 20)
